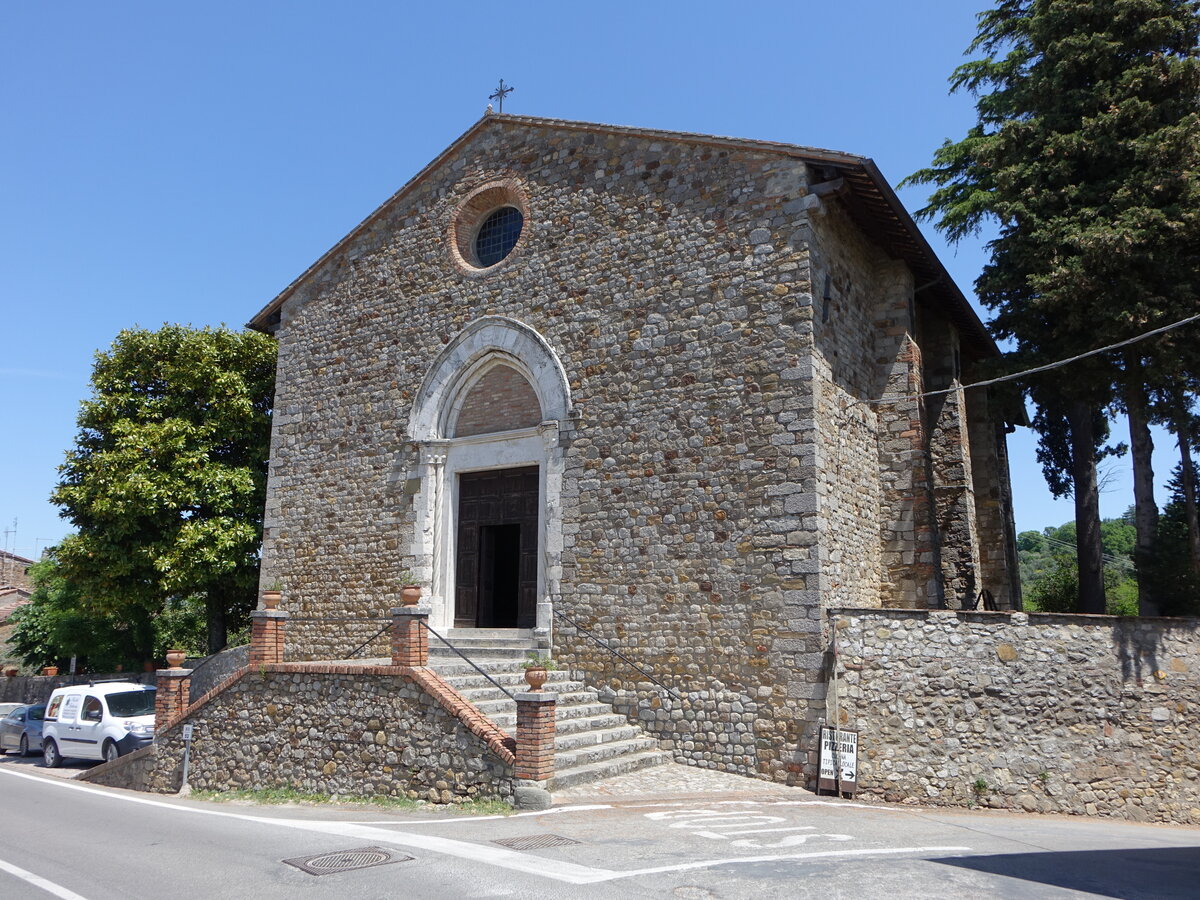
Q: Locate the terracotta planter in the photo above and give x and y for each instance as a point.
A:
(271, 599)
(10, 672)
(410, 595)
(536, 676)
(50, 670)
(175, 659)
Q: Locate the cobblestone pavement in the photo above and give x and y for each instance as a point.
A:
(674, 780)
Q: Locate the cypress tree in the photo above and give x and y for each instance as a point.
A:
(1086, 153)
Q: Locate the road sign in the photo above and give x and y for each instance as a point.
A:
(187, 731)
(839, 755)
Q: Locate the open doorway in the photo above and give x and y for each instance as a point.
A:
(496, 566)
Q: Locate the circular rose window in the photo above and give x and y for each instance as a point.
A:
(498, 235)
(487, 227)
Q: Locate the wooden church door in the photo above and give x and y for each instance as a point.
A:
(496, 568)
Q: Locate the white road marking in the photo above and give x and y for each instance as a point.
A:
(824, 854)
(843, 804)
(722, 826)
(38, 881)
(757, 831)
(792, 840)
(543, 812)
(494, 855)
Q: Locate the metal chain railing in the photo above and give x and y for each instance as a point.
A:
(494, 682)
(615, 652)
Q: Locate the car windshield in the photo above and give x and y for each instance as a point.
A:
(37, 713)
(131, 703)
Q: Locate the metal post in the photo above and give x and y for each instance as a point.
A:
(187, 753)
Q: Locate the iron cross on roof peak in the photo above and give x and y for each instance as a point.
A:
(499, 94)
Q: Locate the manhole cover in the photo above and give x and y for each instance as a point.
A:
(536, 842)
(345, 860)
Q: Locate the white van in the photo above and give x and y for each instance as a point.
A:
(102, 720)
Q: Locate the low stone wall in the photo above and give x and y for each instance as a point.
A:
(37, 688)
(708, 729)
(1090, 715)
(132, 772)
(363, 731)
(211, 671)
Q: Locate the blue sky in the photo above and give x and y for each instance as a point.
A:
(184, 162)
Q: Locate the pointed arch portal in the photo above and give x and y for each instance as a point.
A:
(489, 425)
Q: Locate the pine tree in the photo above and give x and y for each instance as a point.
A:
(1087, 154)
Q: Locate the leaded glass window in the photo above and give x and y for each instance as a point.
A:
(498, 235)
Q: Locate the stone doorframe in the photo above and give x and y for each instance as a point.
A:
(436, 460)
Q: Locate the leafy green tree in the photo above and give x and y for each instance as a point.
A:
(1086, 153)
(1050, 575)
(60, 622)
(166, 483)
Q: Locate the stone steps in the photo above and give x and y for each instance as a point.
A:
(565, 778)
(591, 740)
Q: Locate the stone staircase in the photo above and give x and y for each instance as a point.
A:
(592, 741)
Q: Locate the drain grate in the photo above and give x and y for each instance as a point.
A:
(346, 860)
(536, 842)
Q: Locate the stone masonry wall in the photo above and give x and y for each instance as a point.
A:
(856, 276)
(1089, 715)
(315, 732)
(673, 281)
(681, 316)
(993, 500)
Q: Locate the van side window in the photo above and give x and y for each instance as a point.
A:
(52, 710)
(93, 710)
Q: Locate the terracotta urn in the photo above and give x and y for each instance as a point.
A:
(410, 595)
(175, 659)
(50, 670)
(11, 672)
(536, 676)
(271, 599)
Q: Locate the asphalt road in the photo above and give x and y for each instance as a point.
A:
(72, 840)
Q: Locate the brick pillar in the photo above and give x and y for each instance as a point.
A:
(410, 637)
(171, 698)
(535, 736)
(266, 636)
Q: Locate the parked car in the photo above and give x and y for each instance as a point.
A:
(21, 730)
(6, 708)
(103, 720)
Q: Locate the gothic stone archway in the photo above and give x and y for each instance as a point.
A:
(488, 476)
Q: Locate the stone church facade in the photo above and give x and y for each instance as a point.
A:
(676, 392)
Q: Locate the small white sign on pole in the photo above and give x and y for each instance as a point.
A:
(839, 757)
(187, 731)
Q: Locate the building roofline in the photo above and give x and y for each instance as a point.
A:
(873, 204)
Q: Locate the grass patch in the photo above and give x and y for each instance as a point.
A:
(267, 796)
